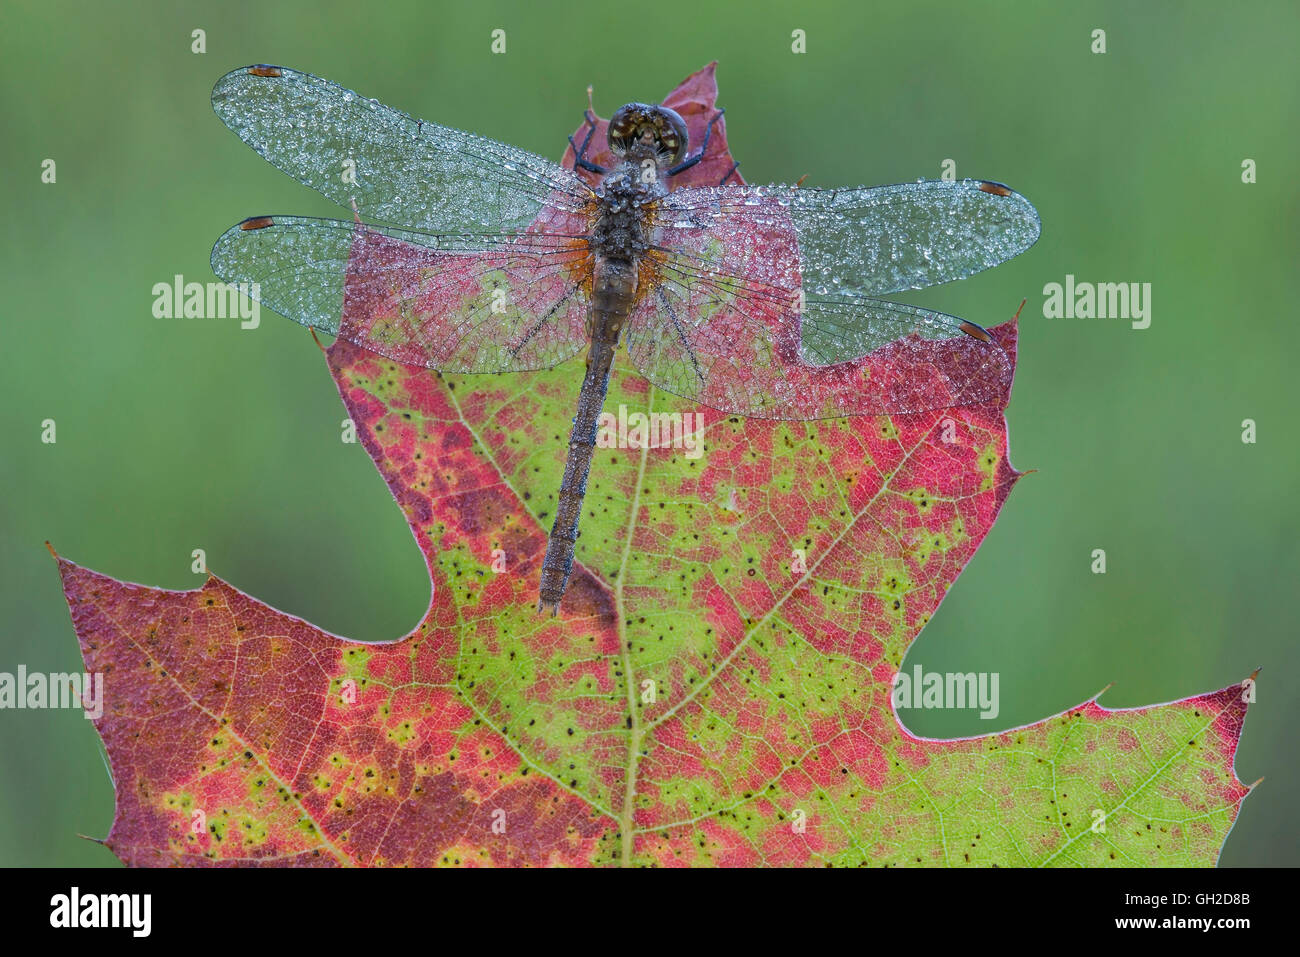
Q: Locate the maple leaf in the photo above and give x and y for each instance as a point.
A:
(717, 690)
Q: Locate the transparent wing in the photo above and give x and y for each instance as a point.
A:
(871, 240)
(737, 347)
(802, 247)
(401, 171)
(457, 304)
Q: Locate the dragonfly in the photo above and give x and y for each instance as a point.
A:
(466, 255)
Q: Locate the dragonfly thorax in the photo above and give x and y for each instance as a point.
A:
(622, 225)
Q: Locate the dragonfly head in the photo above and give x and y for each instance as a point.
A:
(639, 130)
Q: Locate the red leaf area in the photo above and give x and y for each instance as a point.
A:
(767, 590)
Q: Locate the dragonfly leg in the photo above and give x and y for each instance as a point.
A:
(691, 161)
(580, 152)
(731, 172)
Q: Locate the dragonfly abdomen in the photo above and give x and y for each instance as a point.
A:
(613, 293)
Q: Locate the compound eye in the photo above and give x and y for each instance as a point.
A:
(673, 136)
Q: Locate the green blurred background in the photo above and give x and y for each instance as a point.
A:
(175, 434)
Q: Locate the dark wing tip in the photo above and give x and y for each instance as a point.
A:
(222, 247)
(232, 83)
(975, 331)
(1027, 213)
